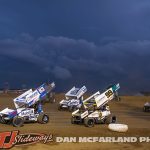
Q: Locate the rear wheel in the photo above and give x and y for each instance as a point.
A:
(43, 118)
(18, 121)
(89, 122)
(110, 119)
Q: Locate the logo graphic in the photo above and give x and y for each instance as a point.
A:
(13, 138)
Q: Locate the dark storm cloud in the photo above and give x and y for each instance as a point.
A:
(79, 42)
(86, 19)
(123, 61)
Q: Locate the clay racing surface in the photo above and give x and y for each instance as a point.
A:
(128, 111)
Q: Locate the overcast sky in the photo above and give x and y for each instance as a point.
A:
(75, 42)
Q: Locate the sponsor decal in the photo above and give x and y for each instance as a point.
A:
(41, 89)
(14, 138)
(84, 114)
(27, 112)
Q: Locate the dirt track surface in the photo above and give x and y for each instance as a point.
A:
(128, 111)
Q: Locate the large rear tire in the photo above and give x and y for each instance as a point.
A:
(110, 119)
(18, 121)
(89, 122)
(43, 118)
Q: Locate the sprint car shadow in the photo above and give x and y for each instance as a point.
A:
(10, 124)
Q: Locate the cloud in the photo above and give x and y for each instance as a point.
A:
(61, 73)
(114, 60)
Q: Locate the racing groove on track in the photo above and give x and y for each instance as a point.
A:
(128, 111)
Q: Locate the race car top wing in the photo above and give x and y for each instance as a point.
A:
(49, 87)
(21, 100)
(106, 96)
(76, 92)
(90, 100)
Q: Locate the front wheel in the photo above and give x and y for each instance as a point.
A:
(43, 118)
(89, 122)
(18, 121)
(2, 120)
